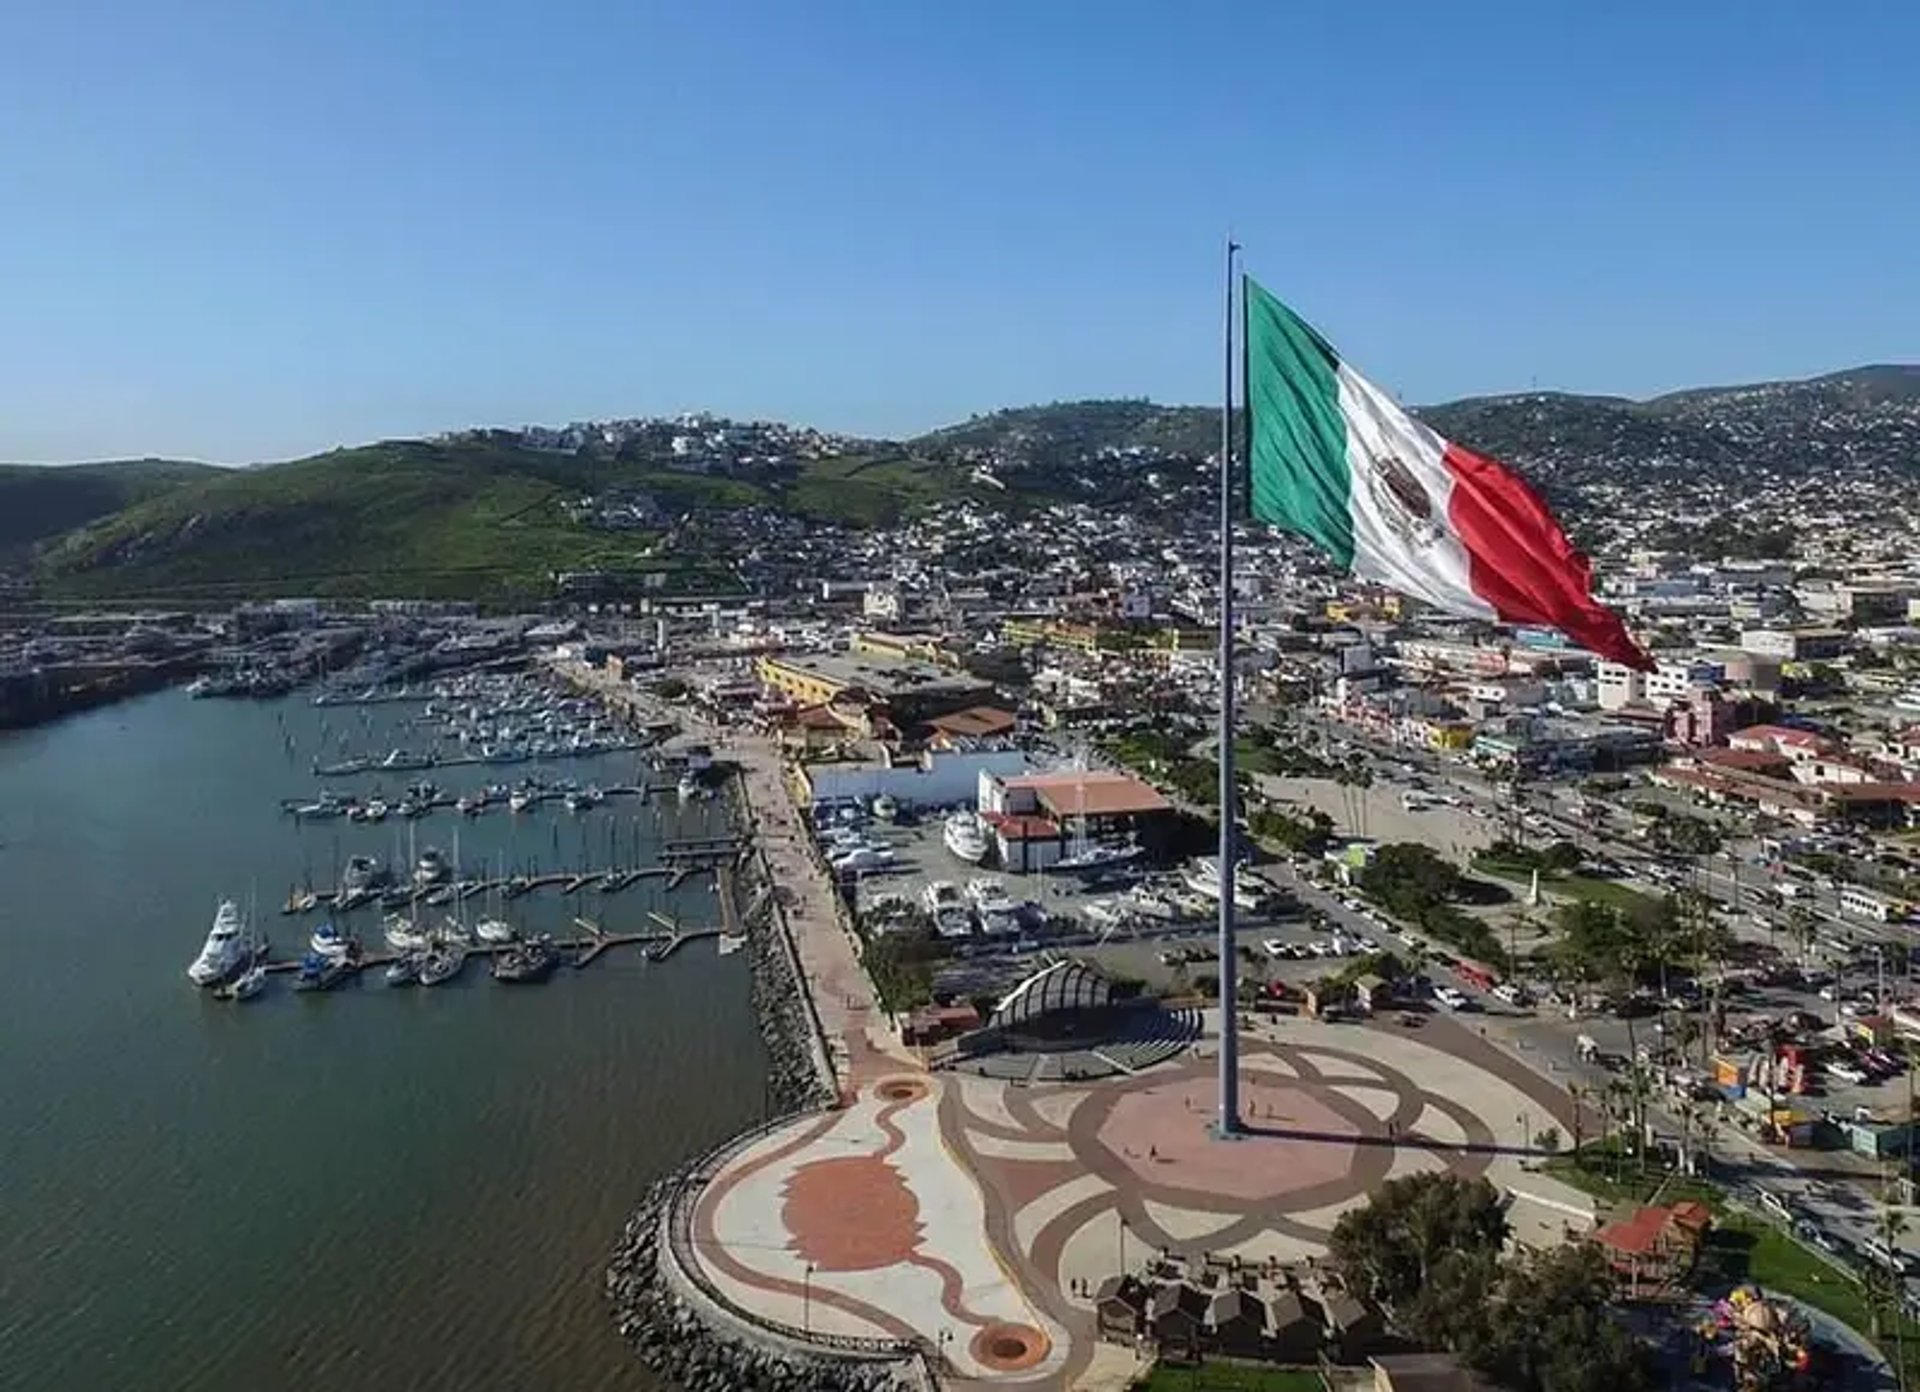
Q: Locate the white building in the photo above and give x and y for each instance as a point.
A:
(1618, 686)
(1675, 681)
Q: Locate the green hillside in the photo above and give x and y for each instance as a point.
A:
(482, 519)
(41, 501)
(1065, 431)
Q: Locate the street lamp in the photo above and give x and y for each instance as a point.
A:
(806, 1299)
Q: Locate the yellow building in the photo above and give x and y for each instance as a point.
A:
(919, 647)
(910, 691)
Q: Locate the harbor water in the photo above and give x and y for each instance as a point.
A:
(370, 1187)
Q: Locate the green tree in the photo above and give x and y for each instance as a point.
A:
(1390, 1247)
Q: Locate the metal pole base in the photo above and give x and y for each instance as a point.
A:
(1227, 1130)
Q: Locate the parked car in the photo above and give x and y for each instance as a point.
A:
(1846, 1072)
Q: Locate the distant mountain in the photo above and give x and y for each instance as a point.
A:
(495, 513)
(40, 501)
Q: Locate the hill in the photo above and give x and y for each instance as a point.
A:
(494, 514)
(483, 516)
(41, 501)
(1864, 418)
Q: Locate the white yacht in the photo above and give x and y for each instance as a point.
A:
(519, 800)
(993, 906)
(1096, 856)
(224, 950)
(247, 985)
(328, 941)
(1203, 878)
(942, 894)
(404, 935)
(966, 836)
(431, 868)
(948, 906)
(988, 894)
(494, 930)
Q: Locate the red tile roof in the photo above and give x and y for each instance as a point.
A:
(1093, 793)
(976, 721)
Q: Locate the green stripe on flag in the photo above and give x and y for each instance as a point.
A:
(1298, 440)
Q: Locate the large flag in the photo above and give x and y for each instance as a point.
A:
(1334, 459)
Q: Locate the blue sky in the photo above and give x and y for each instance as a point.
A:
(243, 229)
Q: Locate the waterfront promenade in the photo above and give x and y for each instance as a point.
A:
(974, 1217)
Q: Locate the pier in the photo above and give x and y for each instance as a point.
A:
(685, 864)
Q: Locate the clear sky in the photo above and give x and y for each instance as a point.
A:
(243, 229)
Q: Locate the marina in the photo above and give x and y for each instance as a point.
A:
(510, 1128)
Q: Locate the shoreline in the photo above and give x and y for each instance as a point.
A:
(671, 1317)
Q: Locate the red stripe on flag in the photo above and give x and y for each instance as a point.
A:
(1522, 564)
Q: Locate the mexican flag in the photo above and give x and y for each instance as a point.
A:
(1334, 459)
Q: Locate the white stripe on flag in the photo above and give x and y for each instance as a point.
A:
(1420, 557)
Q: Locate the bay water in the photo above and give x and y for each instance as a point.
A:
(369, 1188)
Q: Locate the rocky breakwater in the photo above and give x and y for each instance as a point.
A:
(786, 1024)
(680, 1345)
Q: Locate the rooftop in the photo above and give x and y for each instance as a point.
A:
(882, 676)
(1092, 793)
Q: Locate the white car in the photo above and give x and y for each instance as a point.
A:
(1449, 997)
(1846, 1073)
(1274, 947)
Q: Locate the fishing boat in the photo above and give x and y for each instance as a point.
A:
(494, 930)
(530, 961)
(442, 963)
(375, 810)
(328, 941)
(470, 804)
(404, 970)
(519, 800)
(965, 836)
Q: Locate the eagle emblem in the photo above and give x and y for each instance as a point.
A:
(1402, 500)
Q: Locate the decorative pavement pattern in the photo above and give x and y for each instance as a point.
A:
(979, 1214)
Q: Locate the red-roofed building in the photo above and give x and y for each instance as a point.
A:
(973, 723)
(1041, 818)
(1656, 1247)
(1783, 739)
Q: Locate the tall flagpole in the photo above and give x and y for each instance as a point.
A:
(1227, 1124)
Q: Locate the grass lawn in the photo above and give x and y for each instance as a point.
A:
(1608, 892)
(1746, 1247)
(1231, 1377)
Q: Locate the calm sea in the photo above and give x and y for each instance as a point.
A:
(369, 1188)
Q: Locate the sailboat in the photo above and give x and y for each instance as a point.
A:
(493, 928)
(1083, 854)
